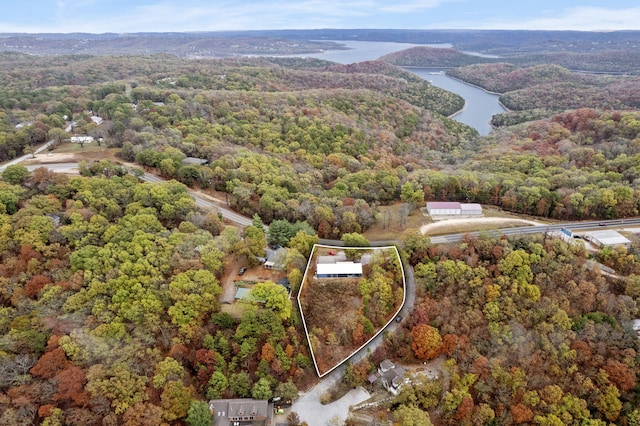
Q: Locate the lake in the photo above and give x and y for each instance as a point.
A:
(480, 106)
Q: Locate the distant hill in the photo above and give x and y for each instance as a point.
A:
(503, 43)
(179, 44)
(433, 57)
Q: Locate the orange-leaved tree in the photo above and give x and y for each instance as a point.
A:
(427, 342)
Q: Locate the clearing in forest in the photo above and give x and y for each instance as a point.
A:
(348, 296)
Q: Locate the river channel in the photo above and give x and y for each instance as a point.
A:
(479, 107)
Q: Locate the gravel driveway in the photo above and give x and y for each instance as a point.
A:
(311, 411)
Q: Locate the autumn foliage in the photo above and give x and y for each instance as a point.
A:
(427, 342)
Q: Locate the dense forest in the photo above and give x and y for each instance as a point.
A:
(530, 335)
(280, 135)
(109, 287)
(109, 306)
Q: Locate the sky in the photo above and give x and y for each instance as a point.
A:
(130, 16)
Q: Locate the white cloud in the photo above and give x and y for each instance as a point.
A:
(222, 15)
(579, 18)
(413, 6)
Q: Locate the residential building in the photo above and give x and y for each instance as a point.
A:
(97, 120)
(392, 376)
(241, 412)
(275, 258)
(81, 139)
(339, 270)
(194, 161)
(242, 293)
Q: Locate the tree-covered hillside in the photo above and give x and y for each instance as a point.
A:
(620, 59)
(530, 334)
(109, 307)
(286, 138)
(539, 91)
(109, 287)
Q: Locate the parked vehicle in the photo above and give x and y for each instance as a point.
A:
(242, 271)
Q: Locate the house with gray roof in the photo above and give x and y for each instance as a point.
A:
(241, 412)
(392, 376)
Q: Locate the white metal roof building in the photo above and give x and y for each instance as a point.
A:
(436, 208)
(453, 208)
(470, 209)
(607, 238)
(339, 270)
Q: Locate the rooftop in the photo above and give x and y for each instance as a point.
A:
(608, 237)
(443, 205)
(339, 268)
(245, 411)
(470, 206)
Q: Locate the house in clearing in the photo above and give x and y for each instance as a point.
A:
(339, 270)
(194, 161)
(275, 258)
(81, 139)
(336, 265)
(240, 412)
(393, 376)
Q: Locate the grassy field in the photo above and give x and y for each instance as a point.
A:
(391, 215)
(89, 149)
(235, 309)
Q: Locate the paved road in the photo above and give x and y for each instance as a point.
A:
(538, 229)
(203, 202)
(26, 156)
(56, 167)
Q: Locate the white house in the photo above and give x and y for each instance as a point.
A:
(339, 270)
(81, 139)
(393, 376)
(96, 120)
